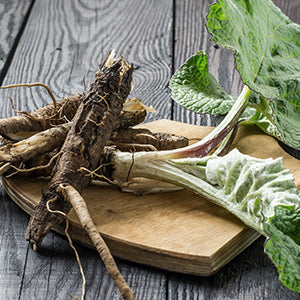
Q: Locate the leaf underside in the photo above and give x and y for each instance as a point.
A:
(195, 88)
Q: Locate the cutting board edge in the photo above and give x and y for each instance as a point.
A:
(209, 264)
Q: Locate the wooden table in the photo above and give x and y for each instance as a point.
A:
(61, 43)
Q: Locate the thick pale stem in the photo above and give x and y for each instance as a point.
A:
(141, 164)
(225, 145)
(175, 171)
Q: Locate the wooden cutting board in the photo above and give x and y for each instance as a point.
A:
(177, 231)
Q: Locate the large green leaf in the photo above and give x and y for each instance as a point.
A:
(267, 52)
(249, 187)
(283, 244)
(195, 88)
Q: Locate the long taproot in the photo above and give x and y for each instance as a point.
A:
(91, 128)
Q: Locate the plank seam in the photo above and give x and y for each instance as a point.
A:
(23, 275)
(15, 44)
(173, 34)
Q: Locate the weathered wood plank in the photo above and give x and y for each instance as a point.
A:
(12, 19)
(13, 249)
(54, 272)
(63, 43)
(248, 276)
(191, 36)
(290, 8)
(74, 40)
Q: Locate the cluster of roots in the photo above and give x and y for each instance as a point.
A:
(68, 136)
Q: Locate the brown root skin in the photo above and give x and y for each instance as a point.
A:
(4, 141)
(32, 85)
(41, 166)
(26, 124)
(130, 118)
(34, 151)
(36, 145)
(135, 104)
(129, 140)
(17, 127)
(142, 136)
(91, 128)
(41, 228)
(132, 147)
(71, 195)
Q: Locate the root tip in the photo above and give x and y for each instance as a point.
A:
(34, 247)
(128, 295)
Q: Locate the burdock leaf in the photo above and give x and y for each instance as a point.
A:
(195, 88)
(267, 53)
(283, 246)
(260, 192)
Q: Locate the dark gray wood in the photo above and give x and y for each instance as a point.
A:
(290, 8)
(12, 19)
(54, 272)
(13, 248)
(66, 41)
(250, 275)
